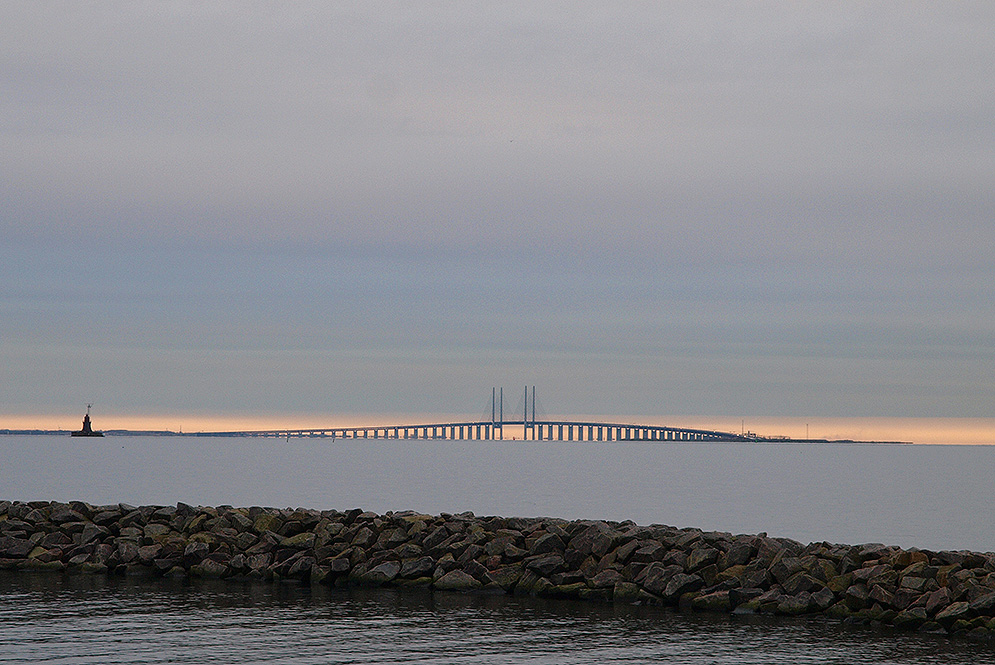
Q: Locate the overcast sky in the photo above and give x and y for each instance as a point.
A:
(739, 209)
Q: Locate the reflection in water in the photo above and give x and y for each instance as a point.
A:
(83, 619)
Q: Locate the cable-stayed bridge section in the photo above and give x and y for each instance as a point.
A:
(530, 428)
(533, 430)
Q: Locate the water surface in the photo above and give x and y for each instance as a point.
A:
(48, 618)
(927, 496)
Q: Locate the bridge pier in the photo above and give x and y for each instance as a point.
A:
(494, 431)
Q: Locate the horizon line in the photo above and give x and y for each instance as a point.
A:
(920, 429)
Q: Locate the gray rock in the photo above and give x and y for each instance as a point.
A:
(546, 565)
(127, 551)
(795, 605)
(457, 580)
(623, 552)
(156, 530)
(506, 577)
(649, 553)
(301, 541)
(938, 600)
(339, 565)
(61, 513)
(604, 543)
(605, 579)
(738, 554)
(209, 568)
(417, 567)
(547, 544)
(682, 583)
(856, 596)
(823, 599)
(717, 601)
(626, 592)
(301, 568)
(701, 557)
(194, 552)
(148, 553)
(655, 576)
(584, 542)
(106, 517)
(435, 538)
(952, 613)
(910, 619)
(475, 569)
(878, 594)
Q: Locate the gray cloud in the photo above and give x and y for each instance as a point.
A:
(788, 206)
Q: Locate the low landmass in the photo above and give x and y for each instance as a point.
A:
(129, 432)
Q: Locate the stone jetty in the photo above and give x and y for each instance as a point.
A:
(620, 562)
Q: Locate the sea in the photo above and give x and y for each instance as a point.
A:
(928, 496)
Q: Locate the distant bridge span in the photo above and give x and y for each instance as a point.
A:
(531, 430)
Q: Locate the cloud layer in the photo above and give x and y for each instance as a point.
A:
(696, 208)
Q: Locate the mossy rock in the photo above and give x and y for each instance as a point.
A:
(35, 564)
(839, 611)
(625, 592)
(457, 580)
(205, 537)
(603, 595)
(418, 582)
(302, 541)
(563, 590)
(267, 522)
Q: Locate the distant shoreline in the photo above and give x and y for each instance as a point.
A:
(221, 435)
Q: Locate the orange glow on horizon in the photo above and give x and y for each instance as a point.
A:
(966, 431)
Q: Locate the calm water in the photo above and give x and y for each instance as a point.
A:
(937, 497)
(933, 497)
(52, 619)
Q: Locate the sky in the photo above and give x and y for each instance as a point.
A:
(238, 212)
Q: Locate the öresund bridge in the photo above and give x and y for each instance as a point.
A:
(530, 427)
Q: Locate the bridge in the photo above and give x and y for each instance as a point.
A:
(531, 428)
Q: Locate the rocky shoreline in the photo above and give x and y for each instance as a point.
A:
(621, 562)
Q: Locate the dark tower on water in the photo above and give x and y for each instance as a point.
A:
(87, 429)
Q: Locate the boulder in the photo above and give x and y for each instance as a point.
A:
(822, 600)
(605, 579)
(952, 613)
(910, 619)
(717, 601)
(545, 566)
(856, 596)
(209, 568)
(626, 592)
(267, 522)
(417, 567)
(506, 577)
(800, 603)
(983, 605)
(457, 580)
(302, 541)
(701, 557)
(547, 544)
(654, 577)
(680, 584)
(938, 600)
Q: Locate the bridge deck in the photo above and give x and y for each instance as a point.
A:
(534, 430)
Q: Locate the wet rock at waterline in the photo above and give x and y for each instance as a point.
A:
(619, 562)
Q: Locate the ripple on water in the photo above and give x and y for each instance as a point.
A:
(81, 620)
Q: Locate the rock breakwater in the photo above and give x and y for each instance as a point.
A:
(622, 562)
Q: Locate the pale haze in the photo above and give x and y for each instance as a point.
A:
(303, 211)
